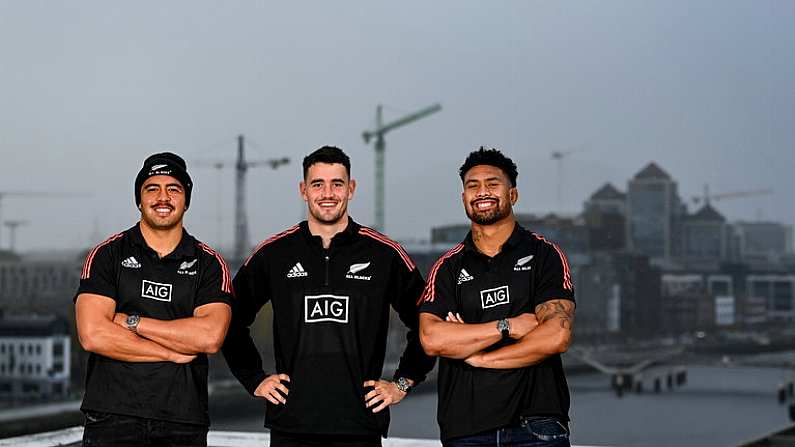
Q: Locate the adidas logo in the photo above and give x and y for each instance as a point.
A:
(131, 263)
(297, 271)
(520, 264)
(464, 276)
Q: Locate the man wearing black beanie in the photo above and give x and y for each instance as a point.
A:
(152, 303)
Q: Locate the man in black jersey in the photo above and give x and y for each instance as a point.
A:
(152, 303)
(498, 309)
(331, 283)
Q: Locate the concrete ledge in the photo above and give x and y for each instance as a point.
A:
(72, 437)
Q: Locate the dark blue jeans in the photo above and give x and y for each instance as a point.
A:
(115, 430)
(531, 432)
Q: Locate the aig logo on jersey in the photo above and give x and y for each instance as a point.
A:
(495, 297)
(156, 290)
(319, 308)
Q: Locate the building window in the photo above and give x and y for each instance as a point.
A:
(30, 349)
(57, 367)
(38, 349)
(2, 348)
(38, 369)
(57, 349)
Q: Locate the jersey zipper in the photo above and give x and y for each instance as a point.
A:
(326, 257)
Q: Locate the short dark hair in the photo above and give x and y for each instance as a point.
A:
(490, 157)
(330, 155)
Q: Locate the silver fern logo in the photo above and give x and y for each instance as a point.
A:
(521, 264)
(356, 268)
(185, 266)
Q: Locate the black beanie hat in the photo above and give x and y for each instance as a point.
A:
(164, 163)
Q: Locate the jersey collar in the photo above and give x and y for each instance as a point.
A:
(343, 237)
(513, 240)
(185, 249)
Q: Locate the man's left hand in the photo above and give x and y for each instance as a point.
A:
(384, 394)
(475, 360)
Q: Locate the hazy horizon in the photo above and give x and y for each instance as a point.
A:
(91, 88)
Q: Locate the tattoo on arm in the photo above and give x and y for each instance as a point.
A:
(563, 310)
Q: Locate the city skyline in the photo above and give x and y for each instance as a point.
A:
(704, 90)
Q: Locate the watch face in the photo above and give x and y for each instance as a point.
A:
(403, 384)
(502, 325)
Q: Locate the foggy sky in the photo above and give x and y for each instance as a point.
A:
(90, 88)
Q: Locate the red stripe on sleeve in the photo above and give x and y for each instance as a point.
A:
(86, 272)
(385, 240)
(567, 285)
(430, 288)
(275, 237)
(226, 277)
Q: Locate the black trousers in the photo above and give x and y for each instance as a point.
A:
(283, 439)
(115, 430)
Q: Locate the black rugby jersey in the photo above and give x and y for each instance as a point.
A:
(528, 271)
(330, 324)
(127, 270)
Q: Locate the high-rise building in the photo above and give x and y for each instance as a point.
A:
(654, 213)
(605, 215)
(706, 236)
(763, 240)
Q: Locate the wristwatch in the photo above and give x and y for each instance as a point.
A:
(504, 327)
(132, 322)
(403, 384)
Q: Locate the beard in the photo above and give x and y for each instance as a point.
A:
(157, 223)
(327, 218)
(488, 217)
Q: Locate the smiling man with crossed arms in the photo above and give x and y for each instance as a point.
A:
(152, 302)
(498, 310)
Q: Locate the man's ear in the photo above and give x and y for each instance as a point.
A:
(351, 188)
(302, 190)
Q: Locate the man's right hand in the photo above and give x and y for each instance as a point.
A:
(273, 389)
(522, 324)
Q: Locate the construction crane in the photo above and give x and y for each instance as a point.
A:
(558, 156)
(706, 198)
(241, 167)
(30, 194)
(12, 232)
(380, 146)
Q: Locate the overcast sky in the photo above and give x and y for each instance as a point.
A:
(88, 89)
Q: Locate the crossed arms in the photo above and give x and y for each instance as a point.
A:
(103, 331)
(538, 336)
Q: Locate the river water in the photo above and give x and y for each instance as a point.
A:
(718, 406)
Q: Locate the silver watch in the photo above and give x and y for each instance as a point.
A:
(504, 327)
(132, 322)
(403, 384)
